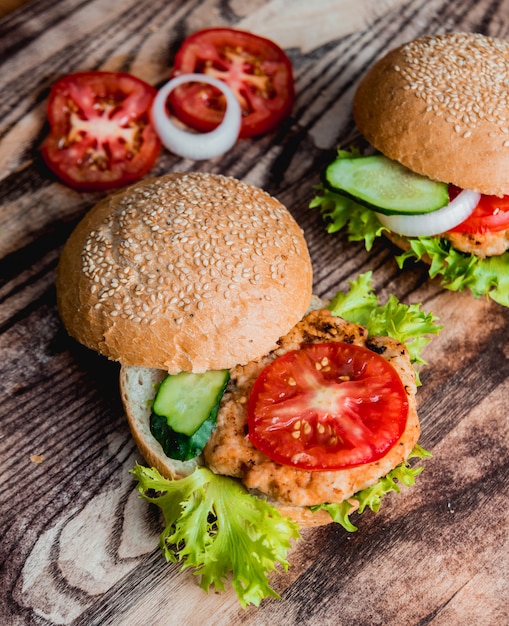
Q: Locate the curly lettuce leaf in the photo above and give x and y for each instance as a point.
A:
(341, 212)
(461, 271)
(214, 525)
(404, 322)
(371, 497)
(458, 271)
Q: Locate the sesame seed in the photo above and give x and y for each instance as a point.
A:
(462, 75)
(153, 249)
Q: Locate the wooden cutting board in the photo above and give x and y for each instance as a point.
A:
(78, 545)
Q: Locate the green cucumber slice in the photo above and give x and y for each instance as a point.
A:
(179, 446)
(385, 185)
(186, 400)
(184, 411)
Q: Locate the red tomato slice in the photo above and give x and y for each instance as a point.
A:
(256, 69)
(101, 133)
(490, 215)
(327, 406)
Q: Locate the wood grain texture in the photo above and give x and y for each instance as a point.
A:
(78, 546)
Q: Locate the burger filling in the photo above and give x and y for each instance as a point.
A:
(316, 449)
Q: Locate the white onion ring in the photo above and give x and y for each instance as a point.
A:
(197, 145)
(435, 222)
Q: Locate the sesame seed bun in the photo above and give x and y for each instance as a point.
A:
(439, 106)
(186, 272)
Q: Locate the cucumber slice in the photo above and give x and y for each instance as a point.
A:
(385, 185)
(186, 400)
(179, 446)
(184, 411)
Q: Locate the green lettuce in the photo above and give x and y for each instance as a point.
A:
(405, 322)
(371, 497)
(215, 526)
(458, 271)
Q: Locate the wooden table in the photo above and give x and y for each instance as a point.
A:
(78, 546)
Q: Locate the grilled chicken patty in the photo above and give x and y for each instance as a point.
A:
(230, 452)
(480, 244)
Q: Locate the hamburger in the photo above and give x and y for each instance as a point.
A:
(200, 287)
(436, 112)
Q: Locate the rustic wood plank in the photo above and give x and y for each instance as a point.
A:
(78, 545)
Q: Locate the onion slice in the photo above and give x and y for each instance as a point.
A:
(436, 222)
(194, 145)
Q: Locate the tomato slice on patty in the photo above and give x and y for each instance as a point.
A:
(101, 133)
(491, 215)
(327, 406)
(256, 69)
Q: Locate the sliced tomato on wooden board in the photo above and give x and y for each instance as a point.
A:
(101, 135)
(256, 69)
(327, 406)
(491, 215)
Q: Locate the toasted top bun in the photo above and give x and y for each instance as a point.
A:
(186, 272)
(439, 106)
